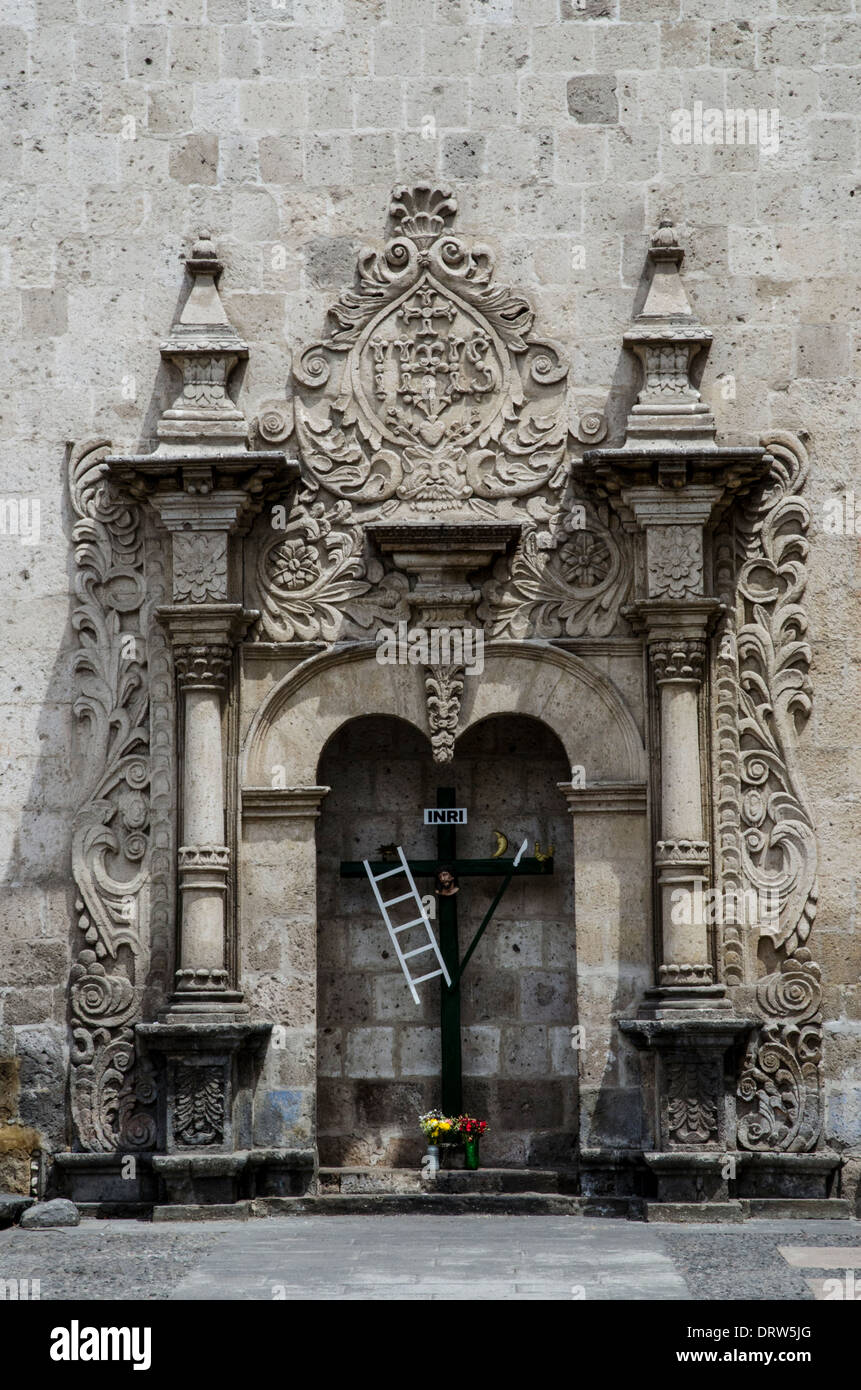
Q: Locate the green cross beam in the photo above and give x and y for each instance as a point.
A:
(446, 849)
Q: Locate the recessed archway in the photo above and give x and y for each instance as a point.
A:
(378, 1052)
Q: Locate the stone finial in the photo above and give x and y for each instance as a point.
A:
(664, 245)
(665, 338)
(205, 347)
(422, 212)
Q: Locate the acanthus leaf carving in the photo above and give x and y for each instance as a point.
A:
(568, 580)
(694, 1093)
(767, 838)
(432, 399)
(199, 1106)
(110, 1091)
(444, 688)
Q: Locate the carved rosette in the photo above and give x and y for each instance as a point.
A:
(674, 556)
(766, 840)
(199, 566)
(111, 1093)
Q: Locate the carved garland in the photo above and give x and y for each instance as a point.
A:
(110, 1095)
(766, 828)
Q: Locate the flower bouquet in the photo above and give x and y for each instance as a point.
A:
(438, 1128)
(470, 1131)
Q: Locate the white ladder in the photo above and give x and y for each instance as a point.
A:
(385, 904)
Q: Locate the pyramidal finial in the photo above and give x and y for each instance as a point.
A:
(666, 297)
(666, 337)
(205, 347)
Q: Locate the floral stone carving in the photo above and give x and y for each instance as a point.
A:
(430, 399)
(767, 839)
(110, 1092)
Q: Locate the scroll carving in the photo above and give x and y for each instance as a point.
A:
(767, 837)
(111, 1091)
(431, 398)
(567, 580)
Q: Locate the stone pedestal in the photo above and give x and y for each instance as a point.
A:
(694, 1122)
(205, 1119)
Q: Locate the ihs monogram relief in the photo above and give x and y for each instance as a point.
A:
(431, 400)
(434, 392)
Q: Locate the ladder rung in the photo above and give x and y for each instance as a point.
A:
(388, 874)
(418, 950)
(402, 899)
(422, 978)
(413, 923)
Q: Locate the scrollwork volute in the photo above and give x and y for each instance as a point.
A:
(431, 399)
(111, 1091)
(767, 841)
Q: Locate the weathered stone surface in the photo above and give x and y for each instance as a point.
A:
(12, 1207)
(58, 1212)
(559, 129)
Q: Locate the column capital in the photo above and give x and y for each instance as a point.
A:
(678, 658)
(202, 636)
(676, 634)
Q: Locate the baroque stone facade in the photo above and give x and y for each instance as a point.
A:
(491, 410)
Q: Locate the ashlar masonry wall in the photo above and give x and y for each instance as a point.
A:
(129, 124)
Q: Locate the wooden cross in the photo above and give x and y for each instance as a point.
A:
(446, 848)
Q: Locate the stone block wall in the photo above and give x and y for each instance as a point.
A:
(128, 124)
(379, 1052)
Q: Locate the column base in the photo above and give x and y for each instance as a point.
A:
(668, 1001)
(689, 1176)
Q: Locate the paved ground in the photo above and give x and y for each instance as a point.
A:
(435, 1257)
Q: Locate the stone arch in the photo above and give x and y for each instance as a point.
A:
(580, 705)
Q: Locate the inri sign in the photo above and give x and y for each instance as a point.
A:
(445, 815)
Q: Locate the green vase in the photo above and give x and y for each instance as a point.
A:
(471, 1150)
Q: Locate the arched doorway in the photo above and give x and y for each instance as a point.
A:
(378, 1053)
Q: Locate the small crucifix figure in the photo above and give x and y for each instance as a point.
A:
(445, 870)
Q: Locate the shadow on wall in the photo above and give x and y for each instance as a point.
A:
(379, 1052)
(42, 782)
(79, 787)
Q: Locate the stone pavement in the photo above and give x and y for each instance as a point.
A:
(434, 1257)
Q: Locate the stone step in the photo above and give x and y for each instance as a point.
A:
(421, 1203)
(355, 1181)
(798, 1208)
